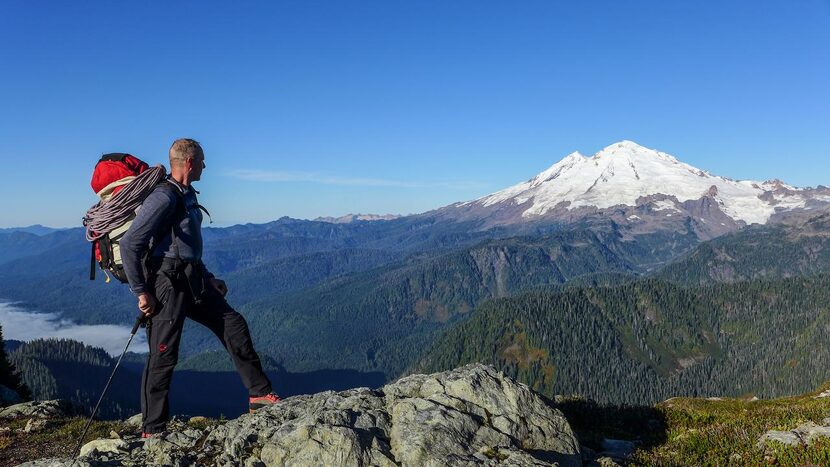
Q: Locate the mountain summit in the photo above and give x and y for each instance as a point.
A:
(627, 175)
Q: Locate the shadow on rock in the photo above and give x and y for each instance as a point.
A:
(607, 427)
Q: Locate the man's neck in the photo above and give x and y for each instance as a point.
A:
(180, 178)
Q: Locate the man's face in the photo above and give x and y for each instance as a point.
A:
(197, 164)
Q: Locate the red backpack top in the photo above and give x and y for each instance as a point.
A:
(114, 171)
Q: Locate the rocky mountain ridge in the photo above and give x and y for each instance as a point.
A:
(349, 218)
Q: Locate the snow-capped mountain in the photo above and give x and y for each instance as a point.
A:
(633, 183)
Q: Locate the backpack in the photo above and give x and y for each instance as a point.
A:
(122, 182)
(113, 172)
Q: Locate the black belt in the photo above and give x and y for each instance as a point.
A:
(191, 271)
(163, 263)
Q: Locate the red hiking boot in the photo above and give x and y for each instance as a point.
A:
(256, 403)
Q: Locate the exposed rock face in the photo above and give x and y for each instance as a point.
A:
(349, 218)
(469, 416)
(39, 409)
(104, 446)
(804, 434)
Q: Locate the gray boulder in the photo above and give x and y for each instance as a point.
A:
(476, 407)
(606, 462)
(100, 446)
(134, 421)
(469, 416)
(55, 462)
(35, 424)
(41, 409)
(804, 434)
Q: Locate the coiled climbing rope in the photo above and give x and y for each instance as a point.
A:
(105, 216)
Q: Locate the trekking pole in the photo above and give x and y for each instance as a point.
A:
(137, 324)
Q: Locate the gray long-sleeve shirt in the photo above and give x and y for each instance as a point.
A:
(157, 213)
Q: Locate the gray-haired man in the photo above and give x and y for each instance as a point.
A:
(174, 284)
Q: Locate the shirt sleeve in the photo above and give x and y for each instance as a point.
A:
(154, 215)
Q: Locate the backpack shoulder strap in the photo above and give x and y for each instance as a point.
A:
(181, 208)
(180, 212)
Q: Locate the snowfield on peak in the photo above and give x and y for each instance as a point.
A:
(625, 172)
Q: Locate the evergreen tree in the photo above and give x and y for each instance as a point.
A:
(9, 376)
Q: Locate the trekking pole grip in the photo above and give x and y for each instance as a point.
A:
(138, 322)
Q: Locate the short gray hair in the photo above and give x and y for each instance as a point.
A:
(183, 149)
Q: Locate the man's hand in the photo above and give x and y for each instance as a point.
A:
(219, 285)
(147, 304)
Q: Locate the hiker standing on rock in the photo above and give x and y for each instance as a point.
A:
(173, 284)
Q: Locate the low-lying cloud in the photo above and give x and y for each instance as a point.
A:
(310, 177)
(23, 325)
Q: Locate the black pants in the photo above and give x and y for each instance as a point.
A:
(164, 332)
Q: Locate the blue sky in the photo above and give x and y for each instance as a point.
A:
(312, 108)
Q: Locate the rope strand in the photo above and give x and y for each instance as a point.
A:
(104, 217)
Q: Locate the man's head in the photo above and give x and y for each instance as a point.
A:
(187, 160)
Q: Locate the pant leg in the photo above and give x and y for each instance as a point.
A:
(164, 331)
(232, 330)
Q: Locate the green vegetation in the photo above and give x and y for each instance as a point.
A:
(57, 439)
(685, 431)
(649, 340)
(720, 432)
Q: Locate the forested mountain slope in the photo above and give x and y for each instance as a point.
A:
(649, 340)
(795, 248)
(70, 370)
(383, 319)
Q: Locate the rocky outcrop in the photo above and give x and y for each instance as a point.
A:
(39, 409)
(469, 416)
(804, 434)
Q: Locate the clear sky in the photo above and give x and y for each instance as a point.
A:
(310, 108)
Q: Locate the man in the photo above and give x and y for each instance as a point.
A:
(174, 284)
